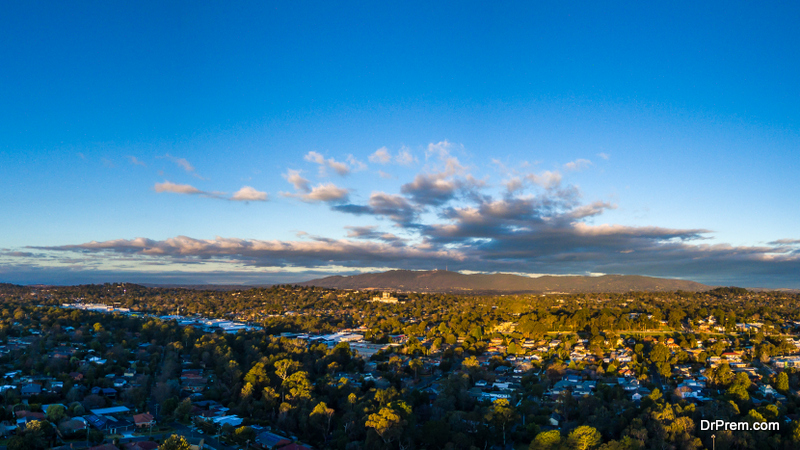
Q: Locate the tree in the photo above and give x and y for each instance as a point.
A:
(95, 436)
(655, 396)
(738, 392)
(546, 440)
(782, 382)
(247, 391)
(322, 414)
(244, 434)
(298, 385)
(33, 438)
(584, 438)
(93, 402)
(175, 442)
(502, 414)
(385, 396)
(387, 423)
(796, 433)
(415, 364)
(56, 413)
(283, 369)
(269, 397)
(183, 410)
(743, 379)
(257, 375)
(18, 442)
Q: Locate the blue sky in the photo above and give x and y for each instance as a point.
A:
(275, 142)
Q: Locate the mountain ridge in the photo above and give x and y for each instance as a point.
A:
(454, 282)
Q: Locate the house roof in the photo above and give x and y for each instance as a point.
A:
(96, 421)
(104, 447)
(142, 418)
(31, 387)
(140, 445)
(76, 423)
(29, 414)
(112, 410)
(295, 447)
(268, 439)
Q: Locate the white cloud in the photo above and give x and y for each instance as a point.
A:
(546, 179)
(440, 149)
(315, 158)
(177, 188)
(247, 193)
(135, 161)
(514, 184)
(301, 184)
(321, 193)
(326, 193)
(604, 156)
(184, 164)
(337, 166)
(181, 162)
(384, 156)
(356, 164)
(381, 156)
(404, 157)
(578, 164)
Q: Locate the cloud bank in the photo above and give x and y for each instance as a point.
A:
(532, 221)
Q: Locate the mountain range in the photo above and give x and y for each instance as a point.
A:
(454, 282)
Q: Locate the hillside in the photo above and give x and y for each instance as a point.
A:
(444, 281)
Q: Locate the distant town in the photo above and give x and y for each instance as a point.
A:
(121, 366)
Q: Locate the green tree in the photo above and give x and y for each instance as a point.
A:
(175, 442)
(415, 364)
(796, 433)
(546, 440)
(502, 414)
(584, 438)
(182, 411)
(257, 375)
(387, 423)
(284, 369)
(56, 413)
(33, 438)
(247, 391)
(95, 436)
(242, 435)
(322, 415)
(782, 382)
(742, 379)
(738, 393)
(655, 396)
(298, 385)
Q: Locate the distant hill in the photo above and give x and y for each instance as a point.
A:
(454, 282)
